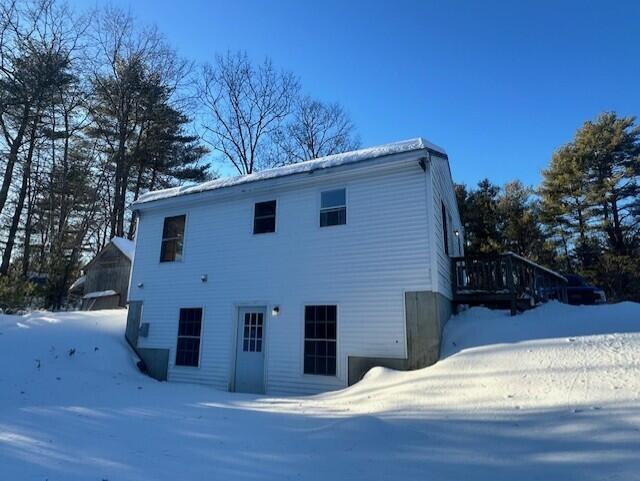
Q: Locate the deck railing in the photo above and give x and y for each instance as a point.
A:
(506, 277)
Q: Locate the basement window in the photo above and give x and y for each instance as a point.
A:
(172, 238)
(189, 328)
(264, 217)
(333, 207)
(320, 326)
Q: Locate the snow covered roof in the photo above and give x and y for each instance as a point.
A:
(329, 161)
(79, 282)
(92, 295)
(126, 246)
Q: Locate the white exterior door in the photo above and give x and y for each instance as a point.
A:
(250, 347)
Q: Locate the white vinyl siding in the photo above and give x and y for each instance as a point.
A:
(364, 268)
(443, 193)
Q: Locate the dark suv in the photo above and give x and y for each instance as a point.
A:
(580, 292)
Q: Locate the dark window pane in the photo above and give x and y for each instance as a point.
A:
(258, 346)
(321, 366)
(310, 330)
(309, 347)
(168, 251)
(264, 226)
(331, 366)
(320, 336)
(245, 345)
(173, 227)
(264, 219)
(190, 322)
(333, 198)
(309, 365)
(189, 327)
(310, 313)
(172, 234)
(333, 217)
(188, 351)
(331, 330)
(252, 345)
(263, 209)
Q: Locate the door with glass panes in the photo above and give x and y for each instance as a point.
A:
(250, 347)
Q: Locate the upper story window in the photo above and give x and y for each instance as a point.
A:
(172, 238)
(264, 217)
(333, 207)
(445, 228)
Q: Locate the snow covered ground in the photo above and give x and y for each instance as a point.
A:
(552, 394)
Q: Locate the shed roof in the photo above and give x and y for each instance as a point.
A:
(126, 246)
(329, 161)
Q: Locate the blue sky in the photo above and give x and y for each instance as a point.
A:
(500, 85)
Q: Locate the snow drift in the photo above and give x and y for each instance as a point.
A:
(550, 394)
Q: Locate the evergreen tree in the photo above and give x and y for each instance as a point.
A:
(483, 222)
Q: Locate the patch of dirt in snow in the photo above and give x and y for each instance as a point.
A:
(550, 394)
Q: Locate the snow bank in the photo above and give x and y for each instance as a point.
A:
(299, 168)
(550, 394)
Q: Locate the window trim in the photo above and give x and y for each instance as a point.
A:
(276, 216)
(175, 354)
(326, 378)
(184, 237)
(319, 206)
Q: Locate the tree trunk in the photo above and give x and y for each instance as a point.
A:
(13, 157)
(15, 221)
(26, 250)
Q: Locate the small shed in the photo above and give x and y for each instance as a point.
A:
(106, 278)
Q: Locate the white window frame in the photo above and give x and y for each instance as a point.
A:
(320, 377)
(253, 215)
(345, 206)
(178, 336)
(184, 237)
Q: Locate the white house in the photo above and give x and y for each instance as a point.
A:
(297, 279)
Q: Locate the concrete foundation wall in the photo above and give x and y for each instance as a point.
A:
(156, 361)
(426, 313)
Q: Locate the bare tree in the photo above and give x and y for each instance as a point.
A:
(244, 105)
(316, 129)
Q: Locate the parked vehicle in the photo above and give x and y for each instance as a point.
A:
(579, 292)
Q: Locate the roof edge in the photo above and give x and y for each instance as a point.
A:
(322, 163)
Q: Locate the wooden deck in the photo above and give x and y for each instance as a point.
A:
(503, 281)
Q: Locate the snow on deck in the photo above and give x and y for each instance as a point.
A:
(298, 168)
(553, 393)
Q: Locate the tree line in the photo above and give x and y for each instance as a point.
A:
(96, 109)
(584, 218)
